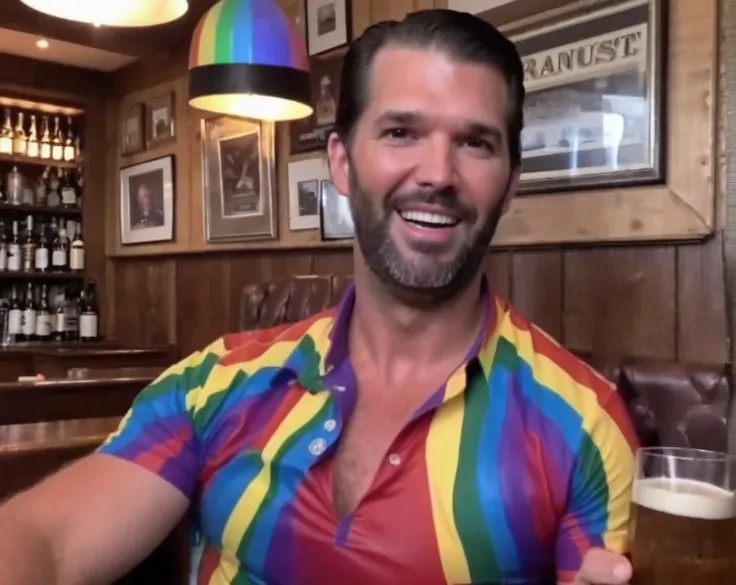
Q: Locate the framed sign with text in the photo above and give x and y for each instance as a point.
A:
(593, 111)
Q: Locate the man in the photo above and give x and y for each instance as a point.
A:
(147, 215)
(422, 433)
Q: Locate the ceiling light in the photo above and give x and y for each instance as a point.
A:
(113, 12)
(248, 59)
(42, 44)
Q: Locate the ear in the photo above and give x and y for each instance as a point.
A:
(511, 188)
(339, 163)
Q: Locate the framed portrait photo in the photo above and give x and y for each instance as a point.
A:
(132, 130)
(336, 220)
(147, 194)
(160, 120)
(328, 24)
(238, 179)
(593, 110)
(305, 177)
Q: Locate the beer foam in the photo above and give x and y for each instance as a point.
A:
(685, 497)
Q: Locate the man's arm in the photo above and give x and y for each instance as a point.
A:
(89, 523)
(597, 516)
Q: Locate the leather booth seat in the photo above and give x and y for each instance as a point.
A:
(671, 403)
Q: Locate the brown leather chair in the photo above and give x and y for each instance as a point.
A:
(671, 403)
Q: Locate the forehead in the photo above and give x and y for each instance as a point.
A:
(433, 83)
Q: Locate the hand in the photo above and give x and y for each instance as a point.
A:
(601, 567)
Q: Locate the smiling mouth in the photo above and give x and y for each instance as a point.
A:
(429, 220)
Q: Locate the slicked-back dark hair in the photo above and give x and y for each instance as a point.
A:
(459, 35)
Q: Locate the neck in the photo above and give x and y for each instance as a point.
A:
(390, 334)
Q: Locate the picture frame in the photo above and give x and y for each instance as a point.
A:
(336, 219)
(311, 133)
(594, 99)
(147, 197)
(304, 191)
(160, 120)
(476, 6)
(328, 25)
(132, 128)
(239, 178)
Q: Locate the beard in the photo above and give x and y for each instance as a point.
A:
(427, 277)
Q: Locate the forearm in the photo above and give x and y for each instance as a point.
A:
(26, 557)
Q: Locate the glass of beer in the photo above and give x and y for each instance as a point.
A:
(683, 518)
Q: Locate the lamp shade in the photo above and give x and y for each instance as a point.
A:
(113, 12)
(248, 59)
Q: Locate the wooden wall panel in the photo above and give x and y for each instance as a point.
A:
(662, 301)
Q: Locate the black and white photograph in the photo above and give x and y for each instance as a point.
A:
(161, 119)
(593, 106)
(239, 177)
(241, 183)
(304, 184)
(147, 201)
(328, 25)
(336, 220)
(311, 133)
(132, 130)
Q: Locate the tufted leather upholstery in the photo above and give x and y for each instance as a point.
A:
(671, 403)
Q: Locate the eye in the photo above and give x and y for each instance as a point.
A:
(398, 133)
(479, 143)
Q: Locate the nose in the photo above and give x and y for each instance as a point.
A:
(435, 168)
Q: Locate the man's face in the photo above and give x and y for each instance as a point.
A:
(428, 170)
(144, 200)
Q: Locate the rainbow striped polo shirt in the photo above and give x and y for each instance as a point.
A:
(521, 461)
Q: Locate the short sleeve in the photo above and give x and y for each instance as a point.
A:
(597, 514)
(157, 432)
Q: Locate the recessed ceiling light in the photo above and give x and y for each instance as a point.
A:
(42, 44)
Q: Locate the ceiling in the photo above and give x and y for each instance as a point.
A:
(83, 45)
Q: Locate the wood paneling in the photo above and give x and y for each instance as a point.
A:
(664, 301)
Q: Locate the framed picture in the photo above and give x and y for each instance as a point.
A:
(304, 185)
(594, 108)
(161, 119)
(476, 6)
(311, 133)
(336, 220)
(147, 194)
(132, 137)
(328, 24)
(238, 180)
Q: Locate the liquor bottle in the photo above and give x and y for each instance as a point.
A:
(57, 145)
(19, 136)
(71, 309)
(28, 247)
(40, 191)
(53, 199)
(43, 316)
(14, 250)
(45, 138)
(77, 252)
(28, 323)
(68, 193)
(6, 134)
(88, 314)
(3, 247)
(43, 250)
(32, 148)
(15, 316)
(59, 333)
(69, 148)
(60, 252)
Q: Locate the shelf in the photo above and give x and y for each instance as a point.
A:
(41, 276)
(44, 162)
(25, 209)
(39, 106)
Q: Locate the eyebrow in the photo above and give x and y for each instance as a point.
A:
(412, 118)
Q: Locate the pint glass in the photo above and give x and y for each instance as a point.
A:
(683, 518)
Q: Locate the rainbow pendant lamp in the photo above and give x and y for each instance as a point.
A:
(248, 59)
(133, 13)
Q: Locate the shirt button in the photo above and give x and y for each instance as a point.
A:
(394, 459)
(317, 446)
(330, 425)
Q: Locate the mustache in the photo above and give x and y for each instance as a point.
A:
(445, 198)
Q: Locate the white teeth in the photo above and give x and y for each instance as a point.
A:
(425, 217)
